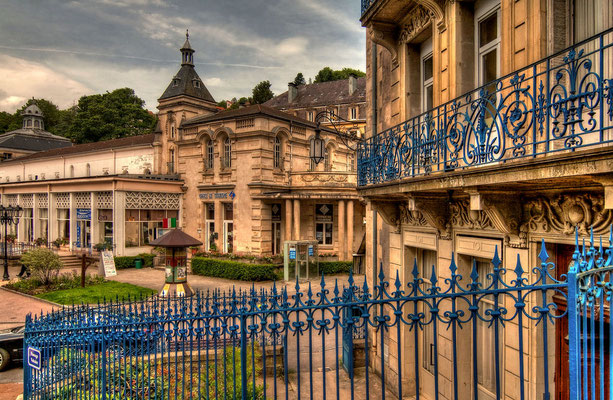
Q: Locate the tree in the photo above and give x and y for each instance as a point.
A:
(44, 264)
(223, 104)
(262, 92)
(5, 121)
(327, 74)
(113, 115)
(299, 79)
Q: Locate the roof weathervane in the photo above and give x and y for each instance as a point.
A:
(187, 34)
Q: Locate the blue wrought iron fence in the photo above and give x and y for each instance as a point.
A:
(559, 104)
(285, 344)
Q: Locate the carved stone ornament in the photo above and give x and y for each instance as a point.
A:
(418, 20)
(412, 217)
(324, 178)
(389, 211)
(563, 213)
(461, 216)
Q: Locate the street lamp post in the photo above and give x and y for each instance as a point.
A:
(8, 216)
(317, 144)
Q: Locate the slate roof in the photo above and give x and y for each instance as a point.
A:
(246, 112)
(28, 139)
(87, 147)
(321, 94)
(185, 86)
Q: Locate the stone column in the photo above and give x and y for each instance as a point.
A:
(350, 230)
(341, 231)
(73, 221)
(119, 222)
(288, 220)
(296, 219)
(219, 216)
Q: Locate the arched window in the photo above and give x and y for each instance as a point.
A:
(210, 154)
(36, 124)
(29, 122)
(171, 161)
(227, 153)
(277, 153)
(88, 170)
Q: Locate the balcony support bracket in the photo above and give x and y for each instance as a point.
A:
(435, 212)
(383, 34)
(505, 212)
(389, 211)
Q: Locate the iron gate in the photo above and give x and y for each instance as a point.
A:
(286, 343)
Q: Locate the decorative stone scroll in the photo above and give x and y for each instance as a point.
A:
(152, 201)
(418, 20)
(27, 200)
(104, 200)
(83, 200)
(324, 178)
(565, 212)
(42, 200)
(462, 216)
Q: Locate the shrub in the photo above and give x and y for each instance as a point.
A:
(233, 270)
(72, 280)
(124, 262)
(147, 259)
(44, 264)
(335, 267)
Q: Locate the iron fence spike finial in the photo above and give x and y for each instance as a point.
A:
(474, 275)
(415, 271)
(543, 256)
(496, 260)
(519, 271)
(433, 278)
(453, 267)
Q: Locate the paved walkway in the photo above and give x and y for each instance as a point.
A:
(154, 279)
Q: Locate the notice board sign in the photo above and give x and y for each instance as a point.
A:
(34, 358)
(107, 262)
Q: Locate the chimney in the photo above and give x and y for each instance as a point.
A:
(292, 92)
(353, 84)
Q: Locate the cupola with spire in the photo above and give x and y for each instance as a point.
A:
(186, 82)
(187, 52)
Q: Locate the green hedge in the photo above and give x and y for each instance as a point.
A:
(130, 261)
(335, 267)
(233, 269)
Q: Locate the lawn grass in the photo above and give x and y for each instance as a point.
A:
(108, 290)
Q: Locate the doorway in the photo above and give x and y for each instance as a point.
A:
(83, 234)
(228, 228)
(276, 238)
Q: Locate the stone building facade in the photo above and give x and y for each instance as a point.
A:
(239, 180)
(460, 159)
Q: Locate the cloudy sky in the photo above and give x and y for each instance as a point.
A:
(62, 49)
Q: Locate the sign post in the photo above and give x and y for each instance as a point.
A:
(107, 263)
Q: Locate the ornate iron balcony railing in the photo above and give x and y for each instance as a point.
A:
(366, 5)
(559, 104)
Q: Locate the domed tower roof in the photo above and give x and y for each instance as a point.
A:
(32, 110)
(33, 118)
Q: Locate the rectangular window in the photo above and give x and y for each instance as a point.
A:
(209, 224)
(63, 223)
(324, 224)
(210, 154)
(427, 75)
(43, 221)
(28, 217)
(354, 113)
(486, 345)
(487, 31)
(143, 226)
(426, 260)
(310, 116)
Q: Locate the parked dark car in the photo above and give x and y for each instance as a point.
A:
(11, 347)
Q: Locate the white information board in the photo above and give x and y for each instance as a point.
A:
(107, 261)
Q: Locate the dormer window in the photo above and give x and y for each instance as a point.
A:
(197, 84)
(175, 82)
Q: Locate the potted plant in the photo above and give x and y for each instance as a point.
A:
(41, 241)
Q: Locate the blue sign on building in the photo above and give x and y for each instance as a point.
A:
(292, 253)
(34, 358)
(84, 213)
(78, 235)
(311, 252)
